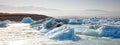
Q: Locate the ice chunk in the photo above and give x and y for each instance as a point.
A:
(9, 21)
(37, 24)
(75, 21)
(3, 24)
(90, 33)
(65, 21)
(117, 23)
(94, 19)
(27, 20)
(62, 33)
(110, 31)
(94, 27)
(46, 24)
(115, 19)
(50, 22)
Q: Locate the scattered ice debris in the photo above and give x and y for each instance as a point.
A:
(94, 27)
(110, 31)
(64, 21)
(27, 20)
(62, 33)
(115, 19)
(86, 21)
(9, 21)
(75, 21)
(94, 19)
(117, 23)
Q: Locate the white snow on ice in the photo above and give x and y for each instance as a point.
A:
(22, 34)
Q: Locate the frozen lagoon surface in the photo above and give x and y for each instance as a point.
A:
(22, 34)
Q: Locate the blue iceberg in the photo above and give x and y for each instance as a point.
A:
(110, 31)
(62, 33)
(27, 20)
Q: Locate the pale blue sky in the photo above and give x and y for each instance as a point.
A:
(111, 5)
(68, 7)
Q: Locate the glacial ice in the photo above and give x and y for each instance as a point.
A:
(27, 20)
(3, 24)
(94, 19)
(75, 21)
(46, 24)
(117, 23)
(115, 19)
(64, 21)
(36, 24)
(62, 33)
(49, 23)
(110, 31)
(94, 27)
(54, 32)
(91, 33)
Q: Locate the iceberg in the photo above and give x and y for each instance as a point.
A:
(62, 33)
(27, 20)
(110, 31)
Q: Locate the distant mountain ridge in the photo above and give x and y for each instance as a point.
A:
(20, 16)
(57, 12)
